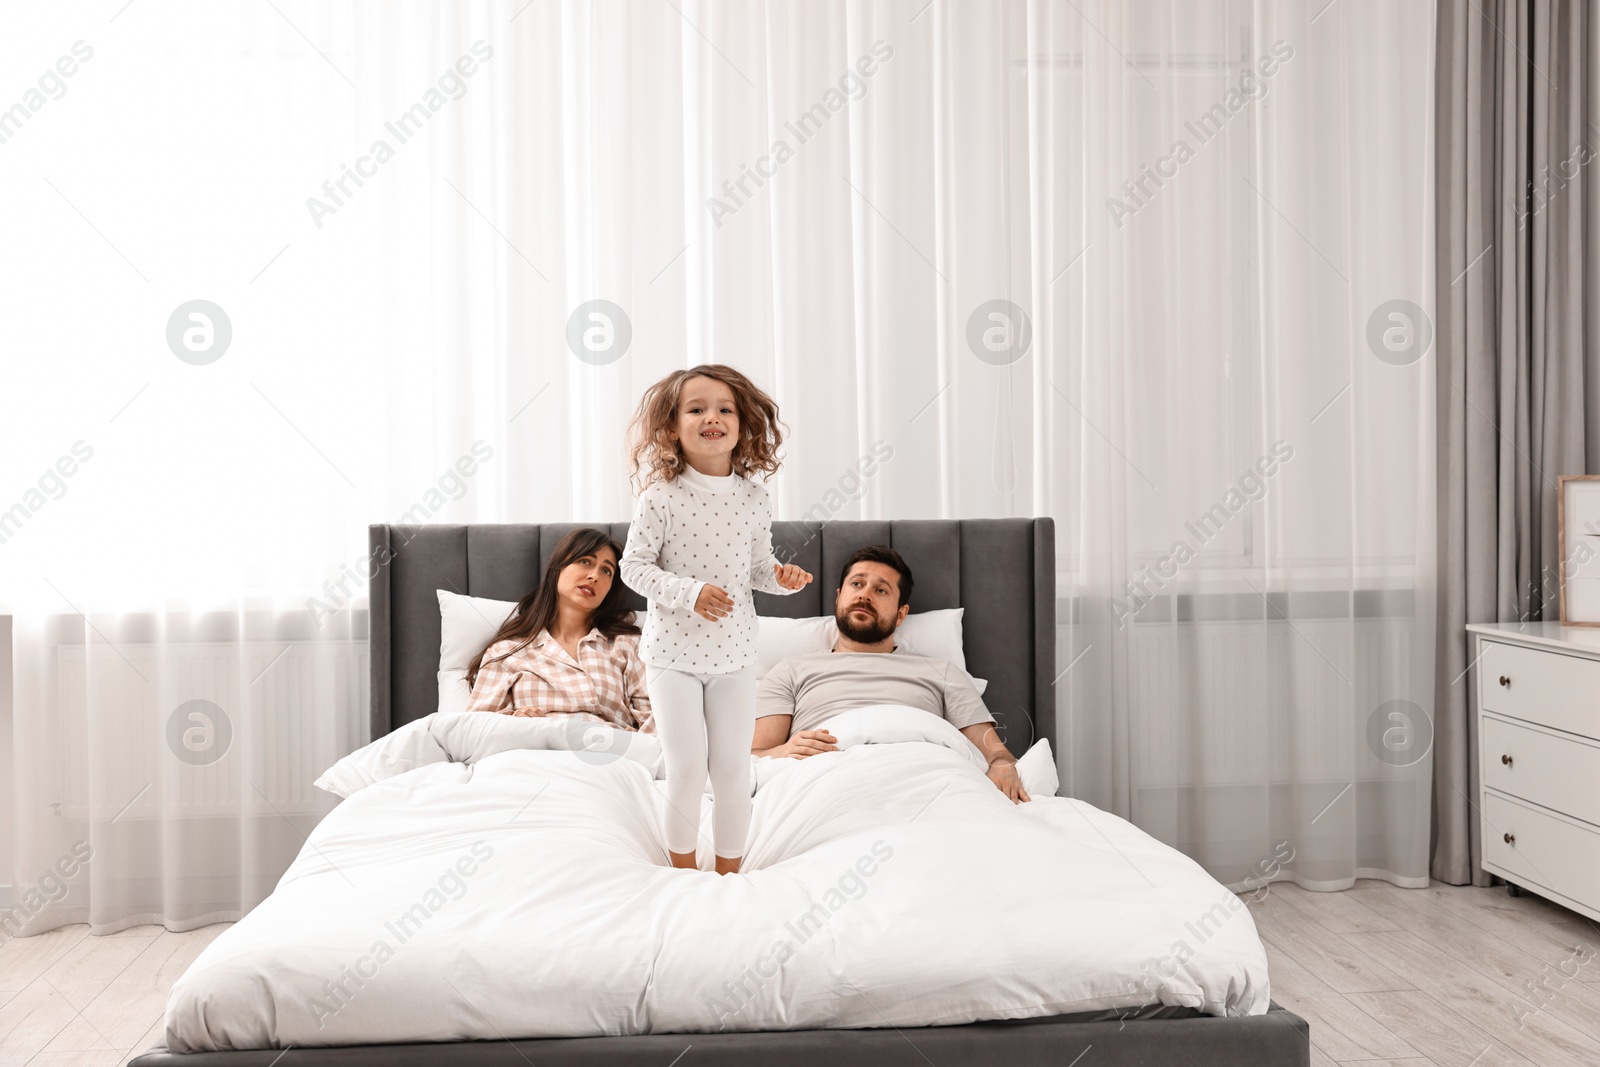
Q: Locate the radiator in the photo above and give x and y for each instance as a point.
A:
(272, 716)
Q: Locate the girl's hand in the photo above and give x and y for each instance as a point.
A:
(713, 603)
(791, 576)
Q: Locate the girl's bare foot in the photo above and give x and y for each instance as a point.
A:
(729, 866)
(683, 860)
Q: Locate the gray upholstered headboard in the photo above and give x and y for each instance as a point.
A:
(1001, 570)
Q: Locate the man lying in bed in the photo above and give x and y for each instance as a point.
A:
(866, 667)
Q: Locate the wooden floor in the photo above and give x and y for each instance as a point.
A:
(1448, 976)
(68, 998)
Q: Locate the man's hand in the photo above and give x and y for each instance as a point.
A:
(791, 576)
(1003, 773)
(1002, 764)
(803, 744)
(713, 602)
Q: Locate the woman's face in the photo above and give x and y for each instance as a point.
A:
(585, 581)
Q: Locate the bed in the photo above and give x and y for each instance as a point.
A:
(862, 983)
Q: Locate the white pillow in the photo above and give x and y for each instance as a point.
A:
(466, 626)
(935, 634)
(454, 692)
(1037, 769)
(778, 638)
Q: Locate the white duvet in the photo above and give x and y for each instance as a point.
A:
(525, 893)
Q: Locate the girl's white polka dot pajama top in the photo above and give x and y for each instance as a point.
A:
(693, 531)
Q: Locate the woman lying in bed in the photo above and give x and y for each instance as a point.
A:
(569, 646)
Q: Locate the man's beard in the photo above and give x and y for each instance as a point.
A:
(863, 633)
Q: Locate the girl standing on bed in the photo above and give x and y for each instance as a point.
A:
(700, 542)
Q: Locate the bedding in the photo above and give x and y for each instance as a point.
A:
(467, 737)
(522, 891)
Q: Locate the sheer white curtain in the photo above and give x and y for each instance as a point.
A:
(1242, 417)
(899, 217)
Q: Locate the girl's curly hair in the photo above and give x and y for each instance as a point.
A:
(653, 451)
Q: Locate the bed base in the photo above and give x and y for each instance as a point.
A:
(1278, 1038)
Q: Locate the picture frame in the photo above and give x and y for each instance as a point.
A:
(1578, 525)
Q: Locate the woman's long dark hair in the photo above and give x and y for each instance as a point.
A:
(537, 610)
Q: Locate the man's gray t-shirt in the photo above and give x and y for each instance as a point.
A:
(816, 687)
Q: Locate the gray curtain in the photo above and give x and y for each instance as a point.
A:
(1516, 151)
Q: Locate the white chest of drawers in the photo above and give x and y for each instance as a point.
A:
(1538, 717)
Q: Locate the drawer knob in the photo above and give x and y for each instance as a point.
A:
(1505, 680)
(1511, 839)
(1506, 760)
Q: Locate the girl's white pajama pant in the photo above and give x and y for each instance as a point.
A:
(706, 723)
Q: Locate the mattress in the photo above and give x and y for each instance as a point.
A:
(508, 892)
